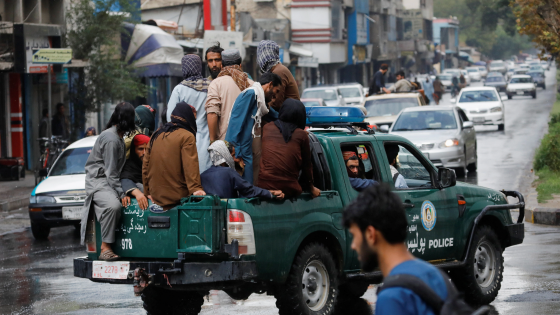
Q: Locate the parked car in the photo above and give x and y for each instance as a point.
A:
(483, 106)
(59, 199)
(498, 66)
(353, 93)
(330, 94)
(474, 74)
(498, 81)
(297, 250)
(382, 110)
(313, 102)
(443, 133)
(538, 78)
(521, 85)
(483, 71)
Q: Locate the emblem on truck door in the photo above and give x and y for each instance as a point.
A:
(428, 215)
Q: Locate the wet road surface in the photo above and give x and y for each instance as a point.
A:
(36, 277)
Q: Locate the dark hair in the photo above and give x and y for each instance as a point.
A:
(353, 158)
(392, 150)
(232, 63)
(379, 207)
(214, 49)
(123, 117)
(45, 111)
(400, 72)
(164, 116)
(270, 77)
(58, 106)
(384, 66)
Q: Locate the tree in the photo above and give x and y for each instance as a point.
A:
(540, 19)
(94, 34)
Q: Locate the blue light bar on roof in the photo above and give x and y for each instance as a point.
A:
(333, 114)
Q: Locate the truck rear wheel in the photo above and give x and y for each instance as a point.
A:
(159, 301)
(312, 285)
(482, 277)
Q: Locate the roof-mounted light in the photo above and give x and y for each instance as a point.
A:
(333, 114)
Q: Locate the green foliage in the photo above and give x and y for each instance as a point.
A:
(548, 154)
(547, 184)
(94, 36)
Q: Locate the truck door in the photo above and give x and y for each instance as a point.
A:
(432, 213)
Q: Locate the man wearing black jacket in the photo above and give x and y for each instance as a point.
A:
(378, 83)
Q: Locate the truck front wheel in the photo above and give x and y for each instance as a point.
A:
(482, 276)
(158, 301)
(312, 285)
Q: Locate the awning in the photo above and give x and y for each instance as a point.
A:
(150, 45)
(300, 51)
(192, 43)
(160, 70)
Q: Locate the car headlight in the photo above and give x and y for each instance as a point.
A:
(32, 199)
(449, 143)
(45, 199)
(495, 109)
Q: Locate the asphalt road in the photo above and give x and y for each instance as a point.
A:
(36, 277)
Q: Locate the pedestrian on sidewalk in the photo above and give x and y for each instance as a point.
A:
(103, 169)
(193, 91)
(377, 222)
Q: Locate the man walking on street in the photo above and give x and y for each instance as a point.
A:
(377, 222)
(268, 59)
(378, 82)
(60, 122)
(193, 91)
(402, 85)
(438, 90)
(222, 93)
(214, 60)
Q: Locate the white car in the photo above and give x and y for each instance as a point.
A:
(465, 74)
(59, 199)
(521, 85)
(498, 66)
(353, 93)
(474, 73)
(330, 94)
(483, 71)
(483, 106)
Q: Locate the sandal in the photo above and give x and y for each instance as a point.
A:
(108, 255)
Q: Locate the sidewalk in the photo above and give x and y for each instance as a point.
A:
(15, 194)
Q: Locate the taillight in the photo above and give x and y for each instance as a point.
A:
(91, 242)
(240, 227)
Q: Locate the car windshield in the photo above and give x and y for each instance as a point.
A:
(520, 71)
(535, 74)
(482, 68)
(536, 68)
(478, 96)
(311, 103)
(425, 120)
(326, 94)
(350, 92)
(389, 106)
(445, 77)
(497, 64)
(495, 79)
(472, 70)
(521, 80)
(71, 162)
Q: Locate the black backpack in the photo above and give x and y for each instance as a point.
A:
(453, 305)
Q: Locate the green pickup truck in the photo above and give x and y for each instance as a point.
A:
(298, 250)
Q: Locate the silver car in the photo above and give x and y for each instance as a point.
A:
(330, 94)
(443, 133)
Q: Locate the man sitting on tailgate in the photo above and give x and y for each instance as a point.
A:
(353, 168)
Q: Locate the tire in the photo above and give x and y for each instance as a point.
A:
(355, 289)
(481, 285)
(534, 95)
(473, 166)
(159, 301)
(544, 87)
(509, 96)
(39, 231)
(501, 127)
(314, 263)
(22, 175)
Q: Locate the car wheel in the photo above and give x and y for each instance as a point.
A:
(312, 285)
(534, 95)
(481, 278)
(544, 87)
(40, 231)
(159, 301)
(509, 96)
(352, 289)
(460, 172)
(473, 166)
(501, 127)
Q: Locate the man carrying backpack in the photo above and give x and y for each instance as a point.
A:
(378, 225)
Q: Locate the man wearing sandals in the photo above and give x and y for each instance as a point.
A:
(103, 168)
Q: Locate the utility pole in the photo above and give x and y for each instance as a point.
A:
(232, 15)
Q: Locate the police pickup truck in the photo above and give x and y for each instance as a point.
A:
(298, 250)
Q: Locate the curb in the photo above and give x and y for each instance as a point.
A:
(13, 204)
(548, 216)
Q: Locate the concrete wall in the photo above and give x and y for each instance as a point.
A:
(321, 18)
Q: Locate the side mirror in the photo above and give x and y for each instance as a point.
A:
(468, 124)
(446, 177)
(44, 172)
(384, 129)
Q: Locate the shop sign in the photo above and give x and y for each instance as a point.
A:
(308, 62)
(52, 56)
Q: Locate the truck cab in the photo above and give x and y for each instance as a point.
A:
(243, 246)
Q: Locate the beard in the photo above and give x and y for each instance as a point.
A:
(368, 258)
(214, 73)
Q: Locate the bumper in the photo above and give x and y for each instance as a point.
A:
(51, 214)
(516, 233)
(190, 273)
(514, 92)
(486, 118)
(449, 157)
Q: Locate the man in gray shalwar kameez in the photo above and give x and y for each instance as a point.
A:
(103, 168)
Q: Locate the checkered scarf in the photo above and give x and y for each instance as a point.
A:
(192, 73)
(268, 55)
(238, 76)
